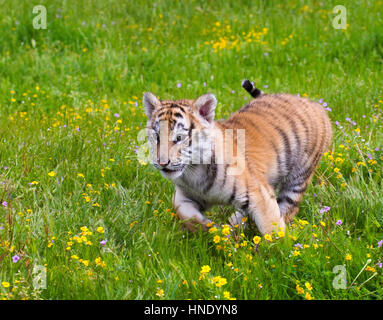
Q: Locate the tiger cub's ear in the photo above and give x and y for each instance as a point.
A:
(205, 106)
(150, 103)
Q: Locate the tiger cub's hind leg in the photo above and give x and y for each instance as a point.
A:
(291, 194)
(260, 205)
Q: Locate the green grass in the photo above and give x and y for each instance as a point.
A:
(61, 90)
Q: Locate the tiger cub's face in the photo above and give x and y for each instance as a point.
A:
(179, 132)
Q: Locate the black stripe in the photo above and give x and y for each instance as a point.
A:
(211, 175)
(182, 109)
(224, 175)
(178, 115)
(245, 206)
(233, 193)
(282, 133)
(276, 113)
(302, 120)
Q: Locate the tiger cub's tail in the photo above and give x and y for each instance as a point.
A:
(249, 87)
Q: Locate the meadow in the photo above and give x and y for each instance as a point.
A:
(76, 201)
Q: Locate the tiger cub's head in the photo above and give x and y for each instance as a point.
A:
(179, 132)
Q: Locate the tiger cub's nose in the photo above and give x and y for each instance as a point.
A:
(163, 163)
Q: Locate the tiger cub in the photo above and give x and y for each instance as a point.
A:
(260, 160)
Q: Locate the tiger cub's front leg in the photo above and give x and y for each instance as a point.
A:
(189, 212)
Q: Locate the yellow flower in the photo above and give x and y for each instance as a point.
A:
(210, 224)
(226, 230)
(217, 239)
(51, 174)
(268, 237)
(226, 294)
(257, 239)
(308, 286)
(244, 243)
(281, 234)
(5, 284)
(160, 293)
(205, 269)
(296, 253)
(371, 269)
(212, 230)
(219, 281)
(100, 230)
(348, 257)
(299, 289)
(80, 175)
(308, 296)
(322, 223)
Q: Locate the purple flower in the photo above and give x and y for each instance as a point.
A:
(204, 84)
(298, 245)
(380, 265)
(369, 156)
(320, 100)
(266, 86)
(325, 104)
(178, 85)
(15, 258)
(78, 129)
(5, 204)
(380, 243)
(339, 222)
(103, 242)
(116, 115)
(5, 167)
(324, 209)
(376, 149)
(337, 123)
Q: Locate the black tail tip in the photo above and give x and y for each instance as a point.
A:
(249, 87)
(246, 84)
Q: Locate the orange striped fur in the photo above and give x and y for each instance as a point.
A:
(285, 136)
